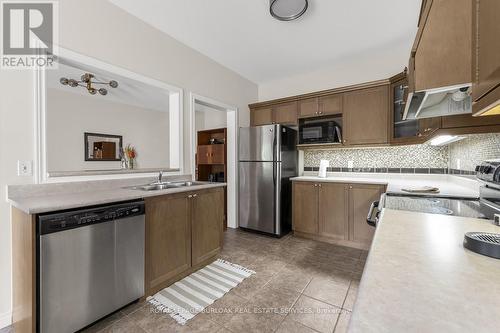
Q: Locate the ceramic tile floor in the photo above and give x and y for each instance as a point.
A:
(299, 286)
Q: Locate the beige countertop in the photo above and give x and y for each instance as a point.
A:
(35, 199)
(448, 185)
(419, 278)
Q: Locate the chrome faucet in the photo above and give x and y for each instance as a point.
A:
(160, 176)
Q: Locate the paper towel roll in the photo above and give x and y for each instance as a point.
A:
(323, 165)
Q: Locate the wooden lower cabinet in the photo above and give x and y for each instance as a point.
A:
(168, 238)
(361, 197)
(183, 232)
(334, 212)
(305, 207)
(207, 225)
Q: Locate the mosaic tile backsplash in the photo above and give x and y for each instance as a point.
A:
(462, 155)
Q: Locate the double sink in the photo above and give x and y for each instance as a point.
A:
(166, 185)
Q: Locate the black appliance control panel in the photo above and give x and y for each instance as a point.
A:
(55, 222)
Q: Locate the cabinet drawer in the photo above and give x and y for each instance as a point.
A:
(308, 107)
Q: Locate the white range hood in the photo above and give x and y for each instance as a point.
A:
(438, 102)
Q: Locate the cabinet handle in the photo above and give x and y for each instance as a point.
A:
(319, 185)
(428, 129)
(350, 187)
(195, 195)
(316, 112)
(345, 140)
(404, 87)
(190, 196)
(315, 185)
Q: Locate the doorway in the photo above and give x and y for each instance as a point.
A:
(217, 121)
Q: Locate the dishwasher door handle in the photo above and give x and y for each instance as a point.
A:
(372, 217)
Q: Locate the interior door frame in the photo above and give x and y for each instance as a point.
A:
(232, 151)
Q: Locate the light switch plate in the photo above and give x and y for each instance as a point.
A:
(25, 168)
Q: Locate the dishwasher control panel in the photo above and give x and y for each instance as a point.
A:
(55, 222)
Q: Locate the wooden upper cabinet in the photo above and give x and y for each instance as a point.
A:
(365, 117)
(308, 107)
(305, 207)
(485, 53)
(168, 239)
(261, 116)
(333, 207)
(330, 104)
(286, 113)
(361, 197)
(442, 48)
(207, 224)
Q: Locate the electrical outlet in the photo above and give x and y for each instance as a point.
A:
(24, 168)
(350, 164)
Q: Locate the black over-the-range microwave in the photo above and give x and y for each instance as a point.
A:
(320, 130)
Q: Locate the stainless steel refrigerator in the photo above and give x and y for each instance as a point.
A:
(267, 161)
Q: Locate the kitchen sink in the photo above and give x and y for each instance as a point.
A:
(167, 185)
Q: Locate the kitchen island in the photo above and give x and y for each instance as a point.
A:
(419, 278)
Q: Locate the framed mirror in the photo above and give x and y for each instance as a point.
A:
(102, 147)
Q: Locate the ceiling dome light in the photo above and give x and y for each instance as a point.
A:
(287, 10)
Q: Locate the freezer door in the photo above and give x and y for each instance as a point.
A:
(258, 204)
(260, 143)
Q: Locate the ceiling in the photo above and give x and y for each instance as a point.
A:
(241, 34)
(129, 91)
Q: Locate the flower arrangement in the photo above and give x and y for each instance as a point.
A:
(131, 154)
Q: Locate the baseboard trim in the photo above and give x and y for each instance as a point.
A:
(5, 319)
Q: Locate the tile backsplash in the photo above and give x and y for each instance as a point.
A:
(463, 155)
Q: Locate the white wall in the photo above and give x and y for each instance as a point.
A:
(119, 38)
(69, 115)
(370, 66)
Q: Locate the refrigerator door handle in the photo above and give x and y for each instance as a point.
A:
(277, 194)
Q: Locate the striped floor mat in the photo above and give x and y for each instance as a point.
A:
(189, 296)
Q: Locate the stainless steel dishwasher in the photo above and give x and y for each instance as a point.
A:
(90, 263)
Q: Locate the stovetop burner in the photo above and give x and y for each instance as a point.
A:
(436, 205)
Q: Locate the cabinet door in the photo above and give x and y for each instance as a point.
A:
(468, 120)
(333, 207)
(217, 154)
(443, 54)
(331, 104)
(262, 116)
(308, 107)
(203, 154)
(366, 116)
(427, 126)
(486, 47)
(305, 207)
(207, 224)
(361, 197)
(286, 114)
(168, 239)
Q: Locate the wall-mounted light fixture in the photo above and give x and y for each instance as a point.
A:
(443, 140)
(86, 82)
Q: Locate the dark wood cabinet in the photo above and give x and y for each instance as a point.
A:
(333, 208)
(366, 116)
(330, 104)
(305, 207)
(334, 212)
(285, 114)
(442, 48)
(183, 232)
(206, 227)
(211, 154)
(261, 116)
(361, 197)
(168, 239)
(308, 107)
(282, 113)
(485, 56)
